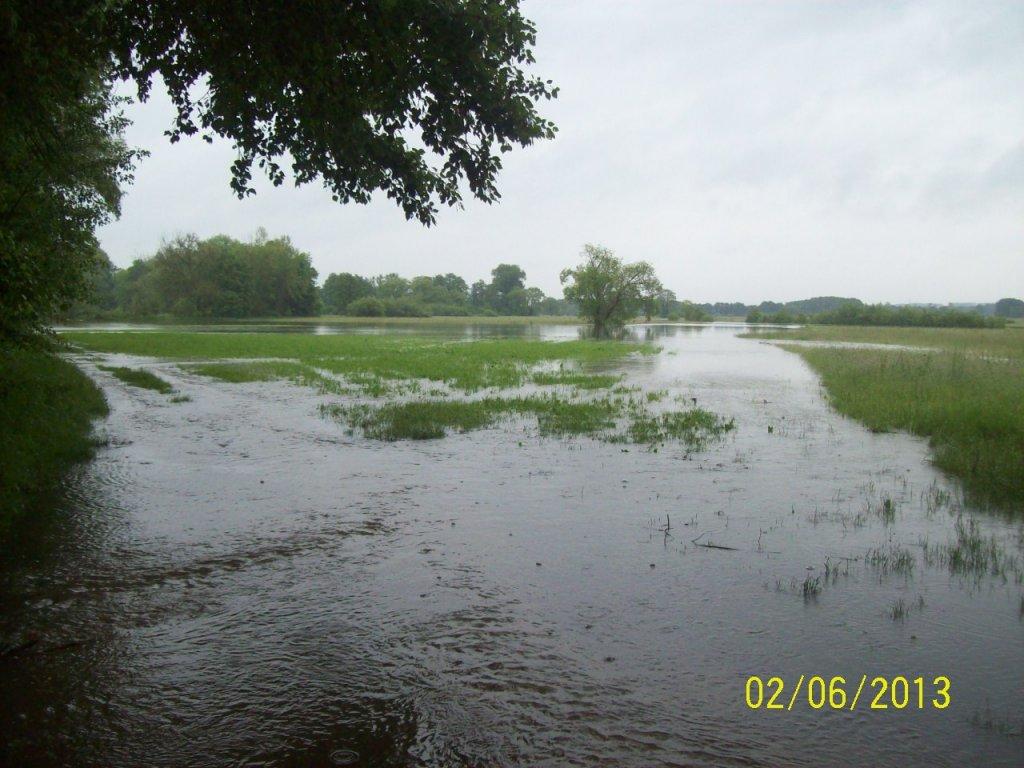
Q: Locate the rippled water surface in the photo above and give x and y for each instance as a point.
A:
(236, 581)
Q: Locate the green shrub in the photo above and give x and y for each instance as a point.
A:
(367, 306)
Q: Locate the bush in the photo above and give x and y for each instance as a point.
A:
(449, 310)
(368, 306)
(371, 306)
(927, 317)
(693, 313)
(404, 307)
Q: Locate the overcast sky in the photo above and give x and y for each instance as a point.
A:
(749, 150)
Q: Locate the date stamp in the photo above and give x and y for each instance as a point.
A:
(878, 693)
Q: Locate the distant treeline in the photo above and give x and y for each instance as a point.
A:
(268, 277)
(802, 307)
(391, 295)
(218, 277)
(838, 310)
(882, 314)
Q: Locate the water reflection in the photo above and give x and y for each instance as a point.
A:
(420, 327)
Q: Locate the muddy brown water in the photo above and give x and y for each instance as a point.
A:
(234, 581)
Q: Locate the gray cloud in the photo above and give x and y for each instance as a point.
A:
(749, 150)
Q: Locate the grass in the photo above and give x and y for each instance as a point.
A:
(415, 421)
(434, 370)
(576, 379)
(899, 610)
(966, 396)
(971, 409)
(429, 419)
(694, 427)
(139, 377)
(46, 410)
(468, 366)
(303, 375)
(971, 553)
(995, 342)
(811, 587)
(892, 559)
(238, 373)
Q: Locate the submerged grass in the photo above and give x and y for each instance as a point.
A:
(46, 410)
(972, 553)
(139, 377)
(382, 366)
(575, 379)
(301, 374)
(463, 365)
(694, 427)
(428, 419)
(891, 559)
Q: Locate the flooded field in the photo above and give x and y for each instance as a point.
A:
(237, 580)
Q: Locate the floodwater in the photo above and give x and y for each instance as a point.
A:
(234, 581)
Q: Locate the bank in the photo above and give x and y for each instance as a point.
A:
(47, 406)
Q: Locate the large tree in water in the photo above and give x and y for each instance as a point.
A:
(417, 99)
(607, 291)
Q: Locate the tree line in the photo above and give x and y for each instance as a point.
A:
(392, 295)
(192, 278)
(882, 315)
(221, 277)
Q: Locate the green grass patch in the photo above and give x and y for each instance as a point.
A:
(424, 420)
(467, 366)
(575, 379)
(431, 419)
(139, 377)
(284, 370)
(46, 410)
(989, 342)
(239, 373)
(695, 427)
(389, 366)
(971, 408)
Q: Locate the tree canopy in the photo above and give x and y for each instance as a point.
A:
(448, 294)
(341, 289)
(409, 98)
(63, 162)
(607, 291)
(220, 277)
(1010, 308)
